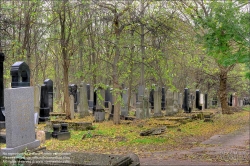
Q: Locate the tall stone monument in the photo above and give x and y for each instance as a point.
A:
(49, 84)
(84, 111)
(157, 101)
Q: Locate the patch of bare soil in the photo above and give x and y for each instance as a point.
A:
(229, 149)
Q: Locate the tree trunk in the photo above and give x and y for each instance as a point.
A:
(115, 72)
(223, 90)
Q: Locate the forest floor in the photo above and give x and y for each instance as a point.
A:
(187, 141)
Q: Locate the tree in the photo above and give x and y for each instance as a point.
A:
(223, 30)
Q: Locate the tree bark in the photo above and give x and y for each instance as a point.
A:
(223, 90)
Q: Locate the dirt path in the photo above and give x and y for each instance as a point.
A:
(230, 149)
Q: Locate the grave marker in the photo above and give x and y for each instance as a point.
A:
(49, 84)
(44, 104)
(83, 105)
(157, 102)
(20, 128)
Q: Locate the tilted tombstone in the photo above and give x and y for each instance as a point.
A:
(157, 102)
(49, 84)
(186, 101)
(20, 74)
(163, 99)
(44, 104)
(2, 117)
(170, 103)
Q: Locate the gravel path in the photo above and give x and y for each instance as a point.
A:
(229, 149)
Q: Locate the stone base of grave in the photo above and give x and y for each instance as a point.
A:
(18, 149)
(158, 114)
(99, 116)
(48, 135)
(63, 136)
(43, 119)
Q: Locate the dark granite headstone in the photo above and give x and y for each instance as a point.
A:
(88, 91)
(206, 98)
(44, 104)
(197, 100)
(186, 101)
(2, 117)
(231, 100)
(163, 99)
(151, 98)
(73, 91)
(49, 84)
(20, 74)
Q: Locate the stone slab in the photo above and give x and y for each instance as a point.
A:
(18, 149)
(19, 119)
(63, 136)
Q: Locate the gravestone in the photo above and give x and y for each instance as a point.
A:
(124, 104)
(231, 100)
(201, 101)
(175, 104)
(163, 99)
(151, 98)
(157, 102)
(107, 96)
(83, 105)
(206, 101)
(141, 89)
(90, 96)
(180, 100)
(20, 74)
(72, 107)
(197, 100)
(170, 103)
(191, 102)
(49, 84)
(73, 91)
(20, 128)
(146, 104)
(139, 102)
(99, 98)
(186, 101)
(2, 117)
(44, 104)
